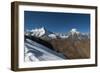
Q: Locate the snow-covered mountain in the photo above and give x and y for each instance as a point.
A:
(38, 32)
(41, 32)
(74, 31)
(44, 33)
(37, 52)
(74, 34)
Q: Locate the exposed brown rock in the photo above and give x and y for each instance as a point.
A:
(72, 49)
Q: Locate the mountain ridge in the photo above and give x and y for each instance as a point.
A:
(43, 32)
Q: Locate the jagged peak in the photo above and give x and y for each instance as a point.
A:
(74, 31)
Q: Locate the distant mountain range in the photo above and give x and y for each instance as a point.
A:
(44, 33)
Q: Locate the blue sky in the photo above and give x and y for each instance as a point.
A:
(56, 22)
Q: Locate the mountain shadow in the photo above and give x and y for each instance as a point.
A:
(40, 41)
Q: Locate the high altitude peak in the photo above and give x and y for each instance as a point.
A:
(42, 27)
(38, 29)
(38, 32)
(74, 30)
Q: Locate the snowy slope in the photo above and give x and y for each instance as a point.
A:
(37, 52)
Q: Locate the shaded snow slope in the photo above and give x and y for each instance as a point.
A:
(37, 52)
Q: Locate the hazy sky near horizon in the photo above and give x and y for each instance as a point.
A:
(56, 22)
